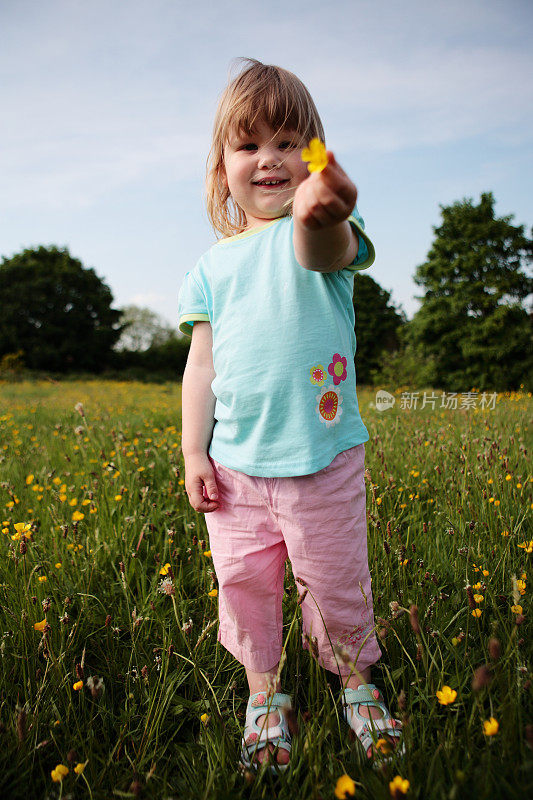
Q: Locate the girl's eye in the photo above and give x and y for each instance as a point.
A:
(249, 146)
(285, 145)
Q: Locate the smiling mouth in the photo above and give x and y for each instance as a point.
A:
(271, 184)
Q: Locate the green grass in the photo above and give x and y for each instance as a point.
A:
(439, 500)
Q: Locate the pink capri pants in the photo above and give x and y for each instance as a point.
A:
(318, 521)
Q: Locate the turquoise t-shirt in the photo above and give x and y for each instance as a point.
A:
(283, 351)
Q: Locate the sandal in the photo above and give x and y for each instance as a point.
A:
(256, 737)
(372, 731)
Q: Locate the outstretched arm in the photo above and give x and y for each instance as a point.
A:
(323, 238)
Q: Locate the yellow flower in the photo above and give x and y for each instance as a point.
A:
(118, 497)
(213, 593)
(164, 569)
(398, 786)
(476, 612)
(508, 477)
(204, 718)
(77, 686)
(486, 572)
(345, 787)
(505, 533)
(516, 609)
(40, 626)
(77, 516)
(22, 529)
(446, 695)
(59, 565)
(478, 598)
(207, 553)
(528, 546)
(490, 727)
(520, 585)
(316, 155)
(456, 641)
(59, 773)
(78, 769)
(29, 479)
(42, 578)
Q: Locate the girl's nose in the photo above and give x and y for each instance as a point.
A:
(269, 157)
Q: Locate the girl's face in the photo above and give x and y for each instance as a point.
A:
(262, 172)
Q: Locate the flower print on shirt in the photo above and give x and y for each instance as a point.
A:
(337, 369)
(318, 375)
(329, 405)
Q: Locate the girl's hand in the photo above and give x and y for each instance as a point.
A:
(200, 483)
(324, 198)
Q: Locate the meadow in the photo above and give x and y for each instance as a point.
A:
(112, 683)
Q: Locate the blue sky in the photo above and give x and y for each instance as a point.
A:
(107, 110)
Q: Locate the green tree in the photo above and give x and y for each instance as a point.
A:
(473, 327)
(56, 311)
(143, 328)
(377, 325)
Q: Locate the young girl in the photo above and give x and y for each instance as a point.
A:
(272, 439)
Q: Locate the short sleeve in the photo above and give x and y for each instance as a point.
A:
(366, 254)
(192, 304)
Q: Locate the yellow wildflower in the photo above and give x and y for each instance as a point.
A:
(516, 609)
(164, 569)
(59, 773)
(29, 479)
(78, 769)
(118, 497)
(316, 155)
(40, 626)
(213, 593)
(486, 572)
(490, 727)
(205, 718)
(77, 686)
(528, 546)
(345, 787)
(42, 578)
(456, 641)
(398, 786)
(476, 612)
(77, 516)
(478, 598)
(207, 553)
(446, 695)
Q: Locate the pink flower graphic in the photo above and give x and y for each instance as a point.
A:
(337, 369)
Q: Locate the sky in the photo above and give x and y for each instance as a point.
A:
(107, 109)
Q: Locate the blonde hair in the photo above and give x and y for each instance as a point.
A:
(260, 93)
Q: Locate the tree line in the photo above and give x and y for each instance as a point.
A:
(473, 327)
